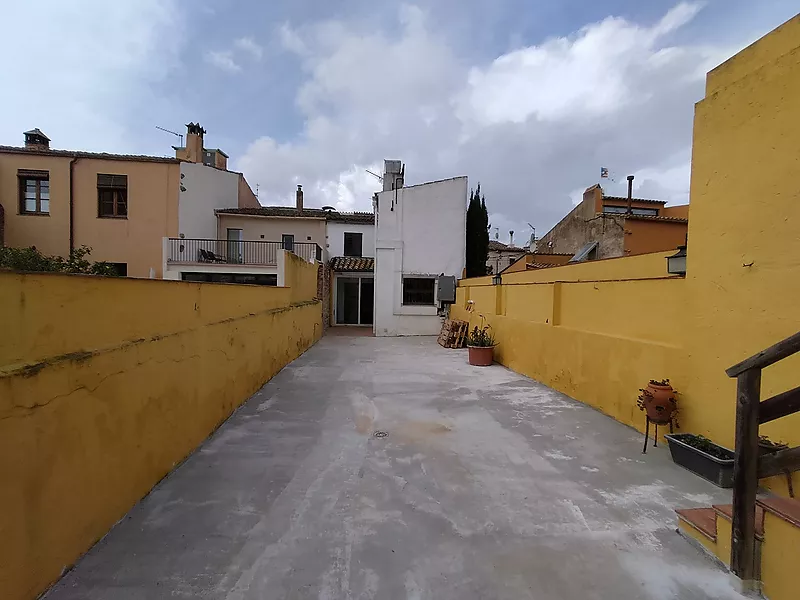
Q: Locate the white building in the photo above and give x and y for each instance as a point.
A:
(351, 246)
(420, 235)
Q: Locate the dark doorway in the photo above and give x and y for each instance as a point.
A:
(367, 300)
(347, 301)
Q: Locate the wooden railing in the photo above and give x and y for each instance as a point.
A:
(748, 466)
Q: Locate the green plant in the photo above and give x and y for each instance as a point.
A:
(32, 260)
(765, 442)
(706, 445)
(481, 337)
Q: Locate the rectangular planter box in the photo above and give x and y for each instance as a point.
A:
(717, 471)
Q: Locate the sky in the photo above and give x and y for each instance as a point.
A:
(529, 98)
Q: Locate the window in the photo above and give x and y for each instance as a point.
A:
(287, 242)
(34, 192)
(650, 212)
(352, 244)
(112, 196)
(418, 291)
(120, 269)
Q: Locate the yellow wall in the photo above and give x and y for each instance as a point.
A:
(779, 558)
(604, 339)
(105, 384)
(745, 210)
(136, 240)
(597, 331)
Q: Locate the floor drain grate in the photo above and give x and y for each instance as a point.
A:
(380, 434)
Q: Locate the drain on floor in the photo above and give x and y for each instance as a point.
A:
(380, 434)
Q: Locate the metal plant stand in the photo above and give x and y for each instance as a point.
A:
(655, 438)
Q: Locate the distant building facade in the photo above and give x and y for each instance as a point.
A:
(419, 237)
(610, 226)
(122, 206)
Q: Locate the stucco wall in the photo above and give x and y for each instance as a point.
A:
(272, 228)
(152, 213)
(740, 292)
(50, 234)
(106, 384)
(582, 226)
(596, 331)
(649, 236)
(336, 233)
(743, 269)
(207, 188)
(420, 231)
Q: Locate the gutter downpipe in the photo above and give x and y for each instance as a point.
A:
(72, 162)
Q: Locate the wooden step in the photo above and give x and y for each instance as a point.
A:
(787, 509)
(726, 512)
(703, 520)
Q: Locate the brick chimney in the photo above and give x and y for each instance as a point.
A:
(299, 197)
(194, 143)
(36, 140)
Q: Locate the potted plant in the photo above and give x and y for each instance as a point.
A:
(481, 345)
(658, 401)
(703, 457)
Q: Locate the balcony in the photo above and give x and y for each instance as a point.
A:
(234, 252)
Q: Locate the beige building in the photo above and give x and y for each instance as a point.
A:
(122, 206)
(501, 256)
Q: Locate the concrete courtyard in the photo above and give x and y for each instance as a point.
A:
(487, 485)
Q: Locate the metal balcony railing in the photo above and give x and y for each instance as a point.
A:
(234, 252)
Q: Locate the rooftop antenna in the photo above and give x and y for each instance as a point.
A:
(378, 177)
(173, 133)
(532, 241)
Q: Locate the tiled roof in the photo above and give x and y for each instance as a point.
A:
(81, 154)
(501, 247)
(308, 213)
(625, 200)
(352, 263)
(540, 265)
(656, 218)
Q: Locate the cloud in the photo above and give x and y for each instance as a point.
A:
(92, 64)
(222, 59)
(248, 45)
(532, 125)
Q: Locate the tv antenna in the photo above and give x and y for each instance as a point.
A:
(378, 177)
(173, 133)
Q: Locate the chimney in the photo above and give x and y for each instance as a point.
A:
(36, 140)
(300, 199)
(393, 175)
(511, 238)
(194, 143)
(630, 194)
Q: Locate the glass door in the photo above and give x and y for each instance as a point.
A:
(347, 301)
(235, 246)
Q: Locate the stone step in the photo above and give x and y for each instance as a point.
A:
(726, 512)
(703, 520)
(787, 509)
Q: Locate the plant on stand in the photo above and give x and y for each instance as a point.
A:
(481, 343)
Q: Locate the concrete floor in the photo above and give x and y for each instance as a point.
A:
(488, 485)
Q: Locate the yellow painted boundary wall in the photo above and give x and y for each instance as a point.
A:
(596, 332)
(106, 384)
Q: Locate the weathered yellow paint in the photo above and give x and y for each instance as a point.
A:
(106, 384)
(614, 324)
(779, 558)
(690, 531)
(723, 545)
(597, 340)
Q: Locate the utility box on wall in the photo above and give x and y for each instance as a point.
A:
(446, 291)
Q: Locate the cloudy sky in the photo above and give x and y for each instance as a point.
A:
(528, 97)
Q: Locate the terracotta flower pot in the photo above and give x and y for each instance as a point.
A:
(480, 356)
(659, 402)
